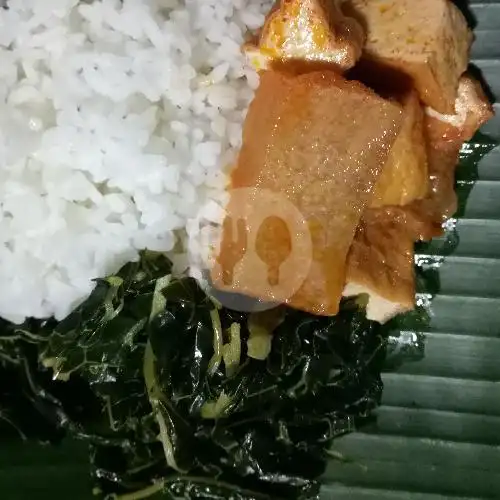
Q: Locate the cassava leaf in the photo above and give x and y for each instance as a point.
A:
(148, 372)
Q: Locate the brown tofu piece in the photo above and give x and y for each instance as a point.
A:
(427, 40)
(307, 31)
(405, 177)
(320, 141)
(381, 264)
(445, 135)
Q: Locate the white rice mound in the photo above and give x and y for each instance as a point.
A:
(118, 121)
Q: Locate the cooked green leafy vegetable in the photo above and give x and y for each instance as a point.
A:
(178, 396)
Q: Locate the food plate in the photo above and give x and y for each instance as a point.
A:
(438, 431)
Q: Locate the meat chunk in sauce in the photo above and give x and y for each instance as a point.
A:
(307, 31)
(321, 142)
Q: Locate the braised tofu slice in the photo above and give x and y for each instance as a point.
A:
(405, 177)
(428, 40)
(307, 31)
(380, 264)
(317, 142)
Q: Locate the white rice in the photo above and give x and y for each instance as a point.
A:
(118, 120)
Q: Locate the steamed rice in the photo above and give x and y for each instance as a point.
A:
(118, 121)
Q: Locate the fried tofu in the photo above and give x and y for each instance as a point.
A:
(405, 177)
(427, 40)
(380, 264)
(320, 141)
(307, 31)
